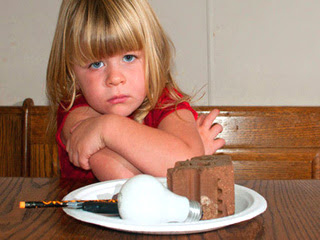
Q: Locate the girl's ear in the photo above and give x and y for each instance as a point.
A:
(78, 89)
(77, 86)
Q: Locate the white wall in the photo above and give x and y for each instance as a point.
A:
(186, 23)
(242, 52)
(266, 52)
(26, 29)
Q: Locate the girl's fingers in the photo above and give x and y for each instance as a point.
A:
(84, 163)
(78, 160)
(73, 156)
(216, 144)
(75, 160)
(208, 120)
(75, 126)
(200, 119)
(209, 131)
(215, 130)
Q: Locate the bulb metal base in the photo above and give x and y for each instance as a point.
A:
(195, 212)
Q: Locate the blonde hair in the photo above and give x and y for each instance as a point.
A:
(89, 30)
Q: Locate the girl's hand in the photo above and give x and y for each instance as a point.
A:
(84, 141)
(209, 131)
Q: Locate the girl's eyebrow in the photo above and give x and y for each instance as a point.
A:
(133, 51)
(137, 52)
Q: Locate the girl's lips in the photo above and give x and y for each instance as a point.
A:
(118, 99)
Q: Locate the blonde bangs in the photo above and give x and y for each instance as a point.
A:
(105, 30)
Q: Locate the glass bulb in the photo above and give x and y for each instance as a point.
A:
(143, 199)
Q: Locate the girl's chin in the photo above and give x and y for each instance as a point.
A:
(121, 111)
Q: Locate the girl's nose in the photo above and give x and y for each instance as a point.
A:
(114, 77)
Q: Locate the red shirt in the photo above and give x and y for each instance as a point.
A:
(153, 119)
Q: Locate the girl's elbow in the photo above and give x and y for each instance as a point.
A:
(199, 148)
(199, 151)
(195, 151)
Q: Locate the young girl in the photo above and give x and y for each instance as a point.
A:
(119, 112)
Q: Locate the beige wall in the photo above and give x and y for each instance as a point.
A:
(266, 52)
(242, 52)
(26, 29)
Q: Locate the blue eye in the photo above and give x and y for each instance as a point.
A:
(129, 58)
(96, 65)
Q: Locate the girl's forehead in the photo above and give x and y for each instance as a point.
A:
(95, 53)
(90, 45)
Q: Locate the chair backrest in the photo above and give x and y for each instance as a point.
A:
(11, 139)
(271, 142)
(40, 152)
(264, 142)
(25, 149)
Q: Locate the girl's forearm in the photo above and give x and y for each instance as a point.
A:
(108, 165)
(150, 150)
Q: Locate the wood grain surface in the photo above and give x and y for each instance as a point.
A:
(293, 213)
(11, 163)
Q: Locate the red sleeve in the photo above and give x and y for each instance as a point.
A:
(67, 169)
(62, 116)
(155, 116)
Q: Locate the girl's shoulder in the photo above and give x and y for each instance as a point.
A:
(167, 104)
(79, 100)
(169, 96)
(64, 107)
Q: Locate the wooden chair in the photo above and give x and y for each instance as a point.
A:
(25, 149)
(11, 141)
(264, 142)
(271, 142)
(40, 154)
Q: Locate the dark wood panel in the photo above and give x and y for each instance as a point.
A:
(43, 155)
(272, 169)
(264, 127)
(270, 163)
(11, 142)
(39, 124)
(44, 161)
(267, 154)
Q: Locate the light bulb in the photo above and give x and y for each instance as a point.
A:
(144, 200)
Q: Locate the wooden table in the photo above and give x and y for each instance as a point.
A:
(293, 213)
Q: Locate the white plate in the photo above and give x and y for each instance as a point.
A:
(248, 204)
